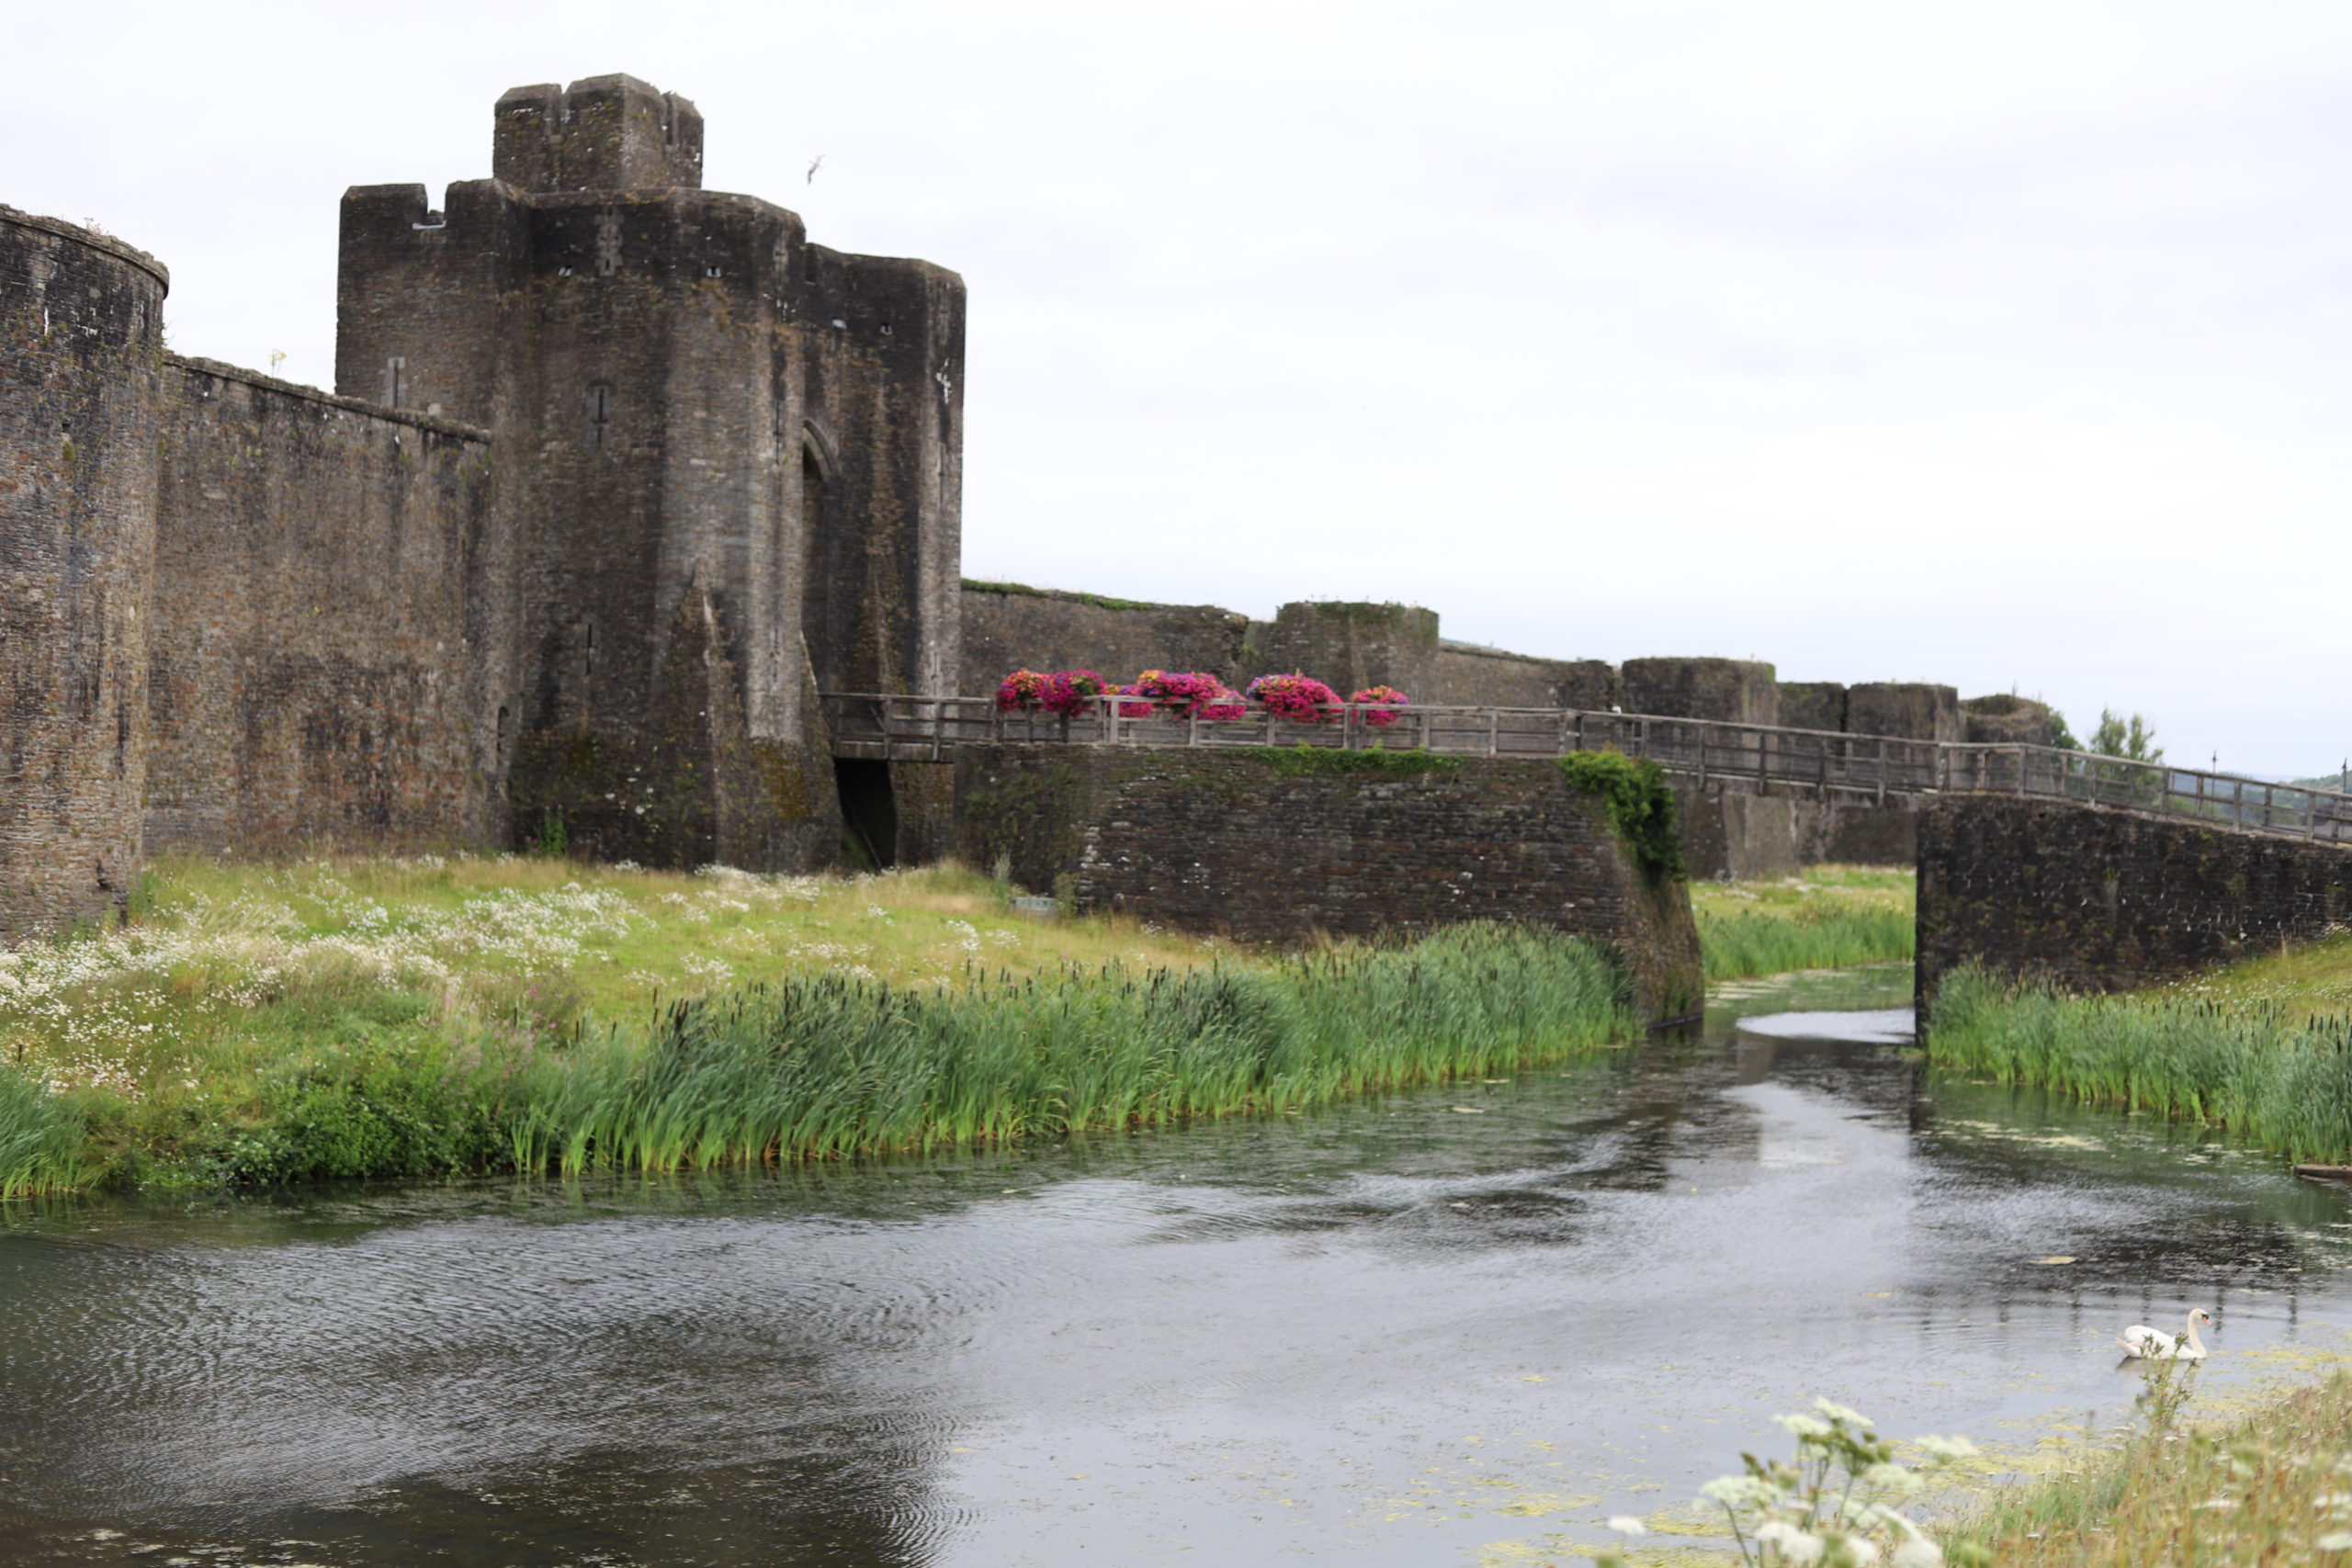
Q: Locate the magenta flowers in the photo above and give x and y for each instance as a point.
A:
(1193, 694)
(1067, 691)
(1302, 699)
(1377, 705)
(1186, 695)
(1181, 694)
(1063, 692)
(1022, 689)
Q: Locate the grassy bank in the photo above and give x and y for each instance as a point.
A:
(412, 1017)
(829, 1067)
(2311, 980)
(1828, 917)
(2277, 1078)
(2270, 1488)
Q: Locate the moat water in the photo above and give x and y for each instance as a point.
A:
(1454, 1327)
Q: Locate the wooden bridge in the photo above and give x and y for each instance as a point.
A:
(1744, 758)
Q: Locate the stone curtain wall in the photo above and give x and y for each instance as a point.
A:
(1352, 645)
(1466, 675)
(1729, 834)
(1908, 710)
(1009, 627)
(1221, 844)
(2105, 901)
(81, 336)
(1729, 691)
(314, 631)
(2002, 719)
(1812, 704)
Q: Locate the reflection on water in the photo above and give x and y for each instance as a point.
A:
(1401, 1331)
(1867, 1026)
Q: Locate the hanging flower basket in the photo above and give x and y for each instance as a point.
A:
(1299, 699)
(1022, 690)
(1182, 694)
(1378, 707)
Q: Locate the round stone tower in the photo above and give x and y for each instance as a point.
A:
(81, 348)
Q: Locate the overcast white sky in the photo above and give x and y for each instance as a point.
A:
(2002, 344)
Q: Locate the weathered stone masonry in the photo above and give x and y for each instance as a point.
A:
(318, 600)
(738, 466)
(2104, 900)
(618, 473)
(1220, 842)
(81, 342)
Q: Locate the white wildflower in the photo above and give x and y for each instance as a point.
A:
(1796, 1545)
(1802, 1426)
(1917, 1553)
(1740, 1491)
(1841, 1413)
(1892, 1479)
(1950, 1448)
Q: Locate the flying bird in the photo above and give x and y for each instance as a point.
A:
(813, 167)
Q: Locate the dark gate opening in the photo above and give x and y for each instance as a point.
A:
(869, 811)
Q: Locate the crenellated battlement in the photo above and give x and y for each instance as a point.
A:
(658, 361)
(617, 472)
(602, 133)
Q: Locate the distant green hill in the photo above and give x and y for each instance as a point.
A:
(2321, 780)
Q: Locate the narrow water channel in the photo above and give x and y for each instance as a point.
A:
(1451, 1326)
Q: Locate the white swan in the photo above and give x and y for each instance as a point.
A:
(2155, 1345)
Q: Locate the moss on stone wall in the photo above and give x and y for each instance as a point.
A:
(1303, 762)
(1099, 601)
(787, 781)
(1031, 815)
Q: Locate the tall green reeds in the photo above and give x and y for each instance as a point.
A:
(41, 1137)
(2283, 1083)
(1773, 941)
(831, 1066)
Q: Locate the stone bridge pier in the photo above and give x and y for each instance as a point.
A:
(2097, 899)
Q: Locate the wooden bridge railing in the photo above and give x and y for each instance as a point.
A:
(1739, 756)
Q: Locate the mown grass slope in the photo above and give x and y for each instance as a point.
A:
(1826, 917)
(2308, 980)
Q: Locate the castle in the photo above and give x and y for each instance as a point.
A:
(618, 473)
(618, 476)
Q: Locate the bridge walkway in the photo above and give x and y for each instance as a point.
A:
(1748, 758)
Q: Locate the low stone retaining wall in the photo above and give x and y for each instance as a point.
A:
(1223, 843)
(2106, 901)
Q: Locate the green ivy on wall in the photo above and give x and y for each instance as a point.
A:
(1641, 808)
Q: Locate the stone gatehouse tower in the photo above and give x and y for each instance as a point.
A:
(727, 472)
(617, 475)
